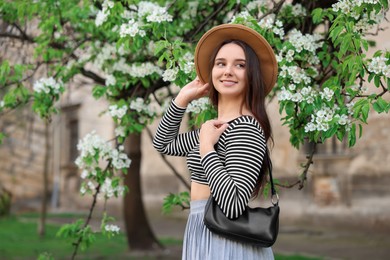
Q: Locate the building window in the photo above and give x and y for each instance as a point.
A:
(70, 135)
(73, 132)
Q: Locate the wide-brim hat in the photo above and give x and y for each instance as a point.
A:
(215, 36)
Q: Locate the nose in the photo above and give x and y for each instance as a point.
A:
(228, 71)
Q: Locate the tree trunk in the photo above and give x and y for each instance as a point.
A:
(42, 218)
(139, 233)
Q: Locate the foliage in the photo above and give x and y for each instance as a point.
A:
(182, 200)
(5, 201)
(132, 49)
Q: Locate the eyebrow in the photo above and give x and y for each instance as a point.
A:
(223, 59)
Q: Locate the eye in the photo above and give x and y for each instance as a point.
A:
(219, 64)
(241, 65)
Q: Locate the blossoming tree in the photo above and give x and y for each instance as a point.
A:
(131, 49)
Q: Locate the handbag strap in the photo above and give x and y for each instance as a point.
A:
(273, 190)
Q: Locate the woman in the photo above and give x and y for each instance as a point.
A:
(237, 68)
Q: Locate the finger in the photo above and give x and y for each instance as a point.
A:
(217, 122)
(223, 127)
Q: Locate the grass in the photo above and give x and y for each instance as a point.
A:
(19, 240)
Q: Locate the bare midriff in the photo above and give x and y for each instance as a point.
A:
(199, 191)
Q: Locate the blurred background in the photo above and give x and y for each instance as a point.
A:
(342, 212)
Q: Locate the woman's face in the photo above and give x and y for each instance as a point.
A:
(229, 71)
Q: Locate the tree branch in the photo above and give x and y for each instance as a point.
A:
(92, 75)
(303, 177)
(207, 19)
(175, 172)
(274, 10)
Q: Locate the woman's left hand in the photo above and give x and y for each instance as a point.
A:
(209, 135)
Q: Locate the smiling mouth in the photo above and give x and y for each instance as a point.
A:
(228, 82)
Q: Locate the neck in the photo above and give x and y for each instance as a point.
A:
(229, 109)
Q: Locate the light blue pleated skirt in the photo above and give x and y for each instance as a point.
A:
(200, 243)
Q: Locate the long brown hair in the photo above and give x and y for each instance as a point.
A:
(254, 99)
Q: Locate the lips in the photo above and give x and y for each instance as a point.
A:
(228, 82)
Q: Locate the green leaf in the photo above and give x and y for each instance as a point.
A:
(160, 45)
(370, 77)
(331, 132)
(317, 15)
(377, 81)
(182, 199)
(365, 111)
(99, 91)
(352, 136)
(380, 105)
(378, 108)
(290, 108)
(2, 135)
(385, 4)
(365, 44)
(340, 135)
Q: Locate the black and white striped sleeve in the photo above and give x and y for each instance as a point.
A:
(167, 139)
(232, 184)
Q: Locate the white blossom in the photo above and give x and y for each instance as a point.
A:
(292, 87)
(297, 97)
(112, 228)
(108, 190)
(131, 28)
(191, 11)
(48, 85)
(84, 174)
(89, 146)
(141, 106)
(136, 70)
(170, 74)
(245, 15)
(116, 111)
(310, 127)
(367, 21)
(267, 22)
(284, 94)
(327, 94)
(119, 159)
(255, 4)
(153, 12)
(321, 118)
(108, 52)
(120, 131)
(110, 80)
(187, 64)
(346, 6)
(92, 145)
(91, 185)
(298, 10)
(297, 74)
(343, 120)
(290, 55)
(350, 106)
(198, 105)
(309, 42)
(83, 190)
(378, 65)
(102, 15)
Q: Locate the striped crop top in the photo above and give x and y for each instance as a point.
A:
(231, 171)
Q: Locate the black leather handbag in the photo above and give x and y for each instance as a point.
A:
(258, 226)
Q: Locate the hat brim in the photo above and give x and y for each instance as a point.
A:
(215, 36)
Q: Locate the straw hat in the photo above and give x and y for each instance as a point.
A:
(215, 36)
